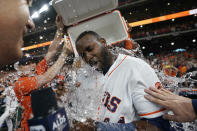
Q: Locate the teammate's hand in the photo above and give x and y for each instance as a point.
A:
(68, 52)
(129, 27)
(67, 48)
(89, 125)
(59, 23)
(180, 106)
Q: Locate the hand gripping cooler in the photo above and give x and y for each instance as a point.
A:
(92, 15)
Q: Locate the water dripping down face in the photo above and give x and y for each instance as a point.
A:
(94, 53)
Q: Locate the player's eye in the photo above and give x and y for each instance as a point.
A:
(88, 49)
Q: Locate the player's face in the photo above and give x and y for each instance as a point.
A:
(28, 69)
(14, 22)
(94, 52)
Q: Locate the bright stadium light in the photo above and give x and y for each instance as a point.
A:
(44, 8)
(194, 40)
(35, 15)
(41, 37)
(172, 43)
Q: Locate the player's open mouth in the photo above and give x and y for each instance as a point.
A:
(93, 63)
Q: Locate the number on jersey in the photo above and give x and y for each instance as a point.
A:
(111, 103)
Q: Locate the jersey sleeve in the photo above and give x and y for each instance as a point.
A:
(42, 67)
(144, 77)
(25, 85)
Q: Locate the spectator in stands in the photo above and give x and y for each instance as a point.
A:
(14, 22)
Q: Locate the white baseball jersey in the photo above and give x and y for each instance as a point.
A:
(124, 86)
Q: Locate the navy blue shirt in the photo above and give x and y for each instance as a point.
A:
(194, 103)
(159, 122)
(101, 126)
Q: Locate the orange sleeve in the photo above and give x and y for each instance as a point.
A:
(42, 67)
(128, 45)
(25, 85)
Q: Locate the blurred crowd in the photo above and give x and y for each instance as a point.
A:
(165, 29)
(176, 64)
(182, 62)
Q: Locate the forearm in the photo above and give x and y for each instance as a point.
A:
(57, 39)
(52, 71)
(55, 45)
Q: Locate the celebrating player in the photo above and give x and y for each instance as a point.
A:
(125, 80)
(39, 75)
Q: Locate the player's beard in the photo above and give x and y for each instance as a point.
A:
(106, 60)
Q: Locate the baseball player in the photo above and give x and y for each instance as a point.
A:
(126, 78)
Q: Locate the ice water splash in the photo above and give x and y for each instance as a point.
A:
(82, 102)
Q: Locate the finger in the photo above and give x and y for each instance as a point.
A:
(57, 18)
(66, 41)
(60, 17)
(68, 44)
(156, 90)
(166, 91)
(157, 101)
(155, 94)
(171, 117)
(160, 91)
